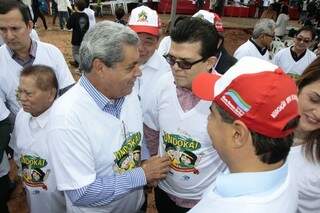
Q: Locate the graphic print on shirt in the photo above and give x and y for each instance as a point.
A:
(180, 150)
(33, 173)
(128, 156)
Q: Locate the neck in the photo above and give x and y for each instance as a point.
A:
(96, 83)
(298, 52)
(24, 53)
(258, 42)
(254, 165)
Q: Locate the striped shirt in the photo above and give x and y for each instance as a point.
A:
(104, 190)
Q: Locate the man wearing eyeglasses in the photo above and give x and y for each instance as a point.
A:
(176, 119)
(258, 45)
(295, 59)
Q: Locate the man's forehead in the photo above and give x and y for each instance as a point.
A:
(185, 50)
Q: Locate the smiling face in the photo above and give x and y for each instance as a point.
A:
(309, 106)
(188, 52)
(148, 44)
(302, 41)
(118, 81)
(14, 31)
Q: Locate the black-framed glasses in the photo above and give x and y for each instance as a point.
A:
(269, 35)
(182, 63)
(305, 40)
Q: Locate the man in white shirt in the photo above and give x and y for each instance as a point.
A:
(175, 120)
(295, 59)
(146, 23)
(95, 132)
(258, 45)
(37, 91)
(4, 163)
(20, 51)
(255, 108)
(90, 14)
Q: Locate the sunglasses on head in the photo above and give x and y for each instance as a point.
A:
(181, 63)
(305, 40)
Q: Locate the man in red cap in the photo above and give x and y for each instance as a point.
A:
(146, 23)
(253, 115)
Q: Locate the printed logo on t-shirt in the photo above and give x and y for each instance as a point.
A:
(128, 156)
(33, 173)
(180, 150)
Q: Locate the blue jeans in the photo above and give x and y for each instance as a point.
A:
(63, 18)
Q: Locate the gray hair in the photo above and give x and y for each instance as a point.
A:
(105, 41)
(264, 25)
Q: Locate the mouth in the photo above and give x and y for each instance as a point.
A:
(312, 119)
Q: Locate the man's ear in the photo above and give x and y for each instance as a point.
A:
(98, 67)
(29, 25)
(241, 134)
(211, 62)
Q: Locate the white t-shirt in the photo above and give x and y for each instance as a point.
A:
(164, 45)
(46, 54)
(285, 60)
(92, 18)
(29, 142)
(4, 165)
(183, 136)
(281, 25)
(152, 70)
(249, 49)
(281, 200)
(87, 143)
(307, 175)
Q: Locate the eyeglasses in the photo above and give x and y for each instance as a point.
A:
(182, 64)
(305, 40)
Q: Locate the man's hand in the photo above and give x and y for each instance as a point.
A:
(156, 168)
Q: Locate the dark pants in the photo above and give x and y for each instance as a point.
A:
(37, 13)
(4, 193)
(164, 204)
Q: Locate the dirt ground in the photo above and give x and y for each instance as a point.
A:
(237, 31)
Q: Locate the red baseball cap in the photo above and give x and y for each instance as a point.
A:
(145, 20)
(213, 18)
(254, 91)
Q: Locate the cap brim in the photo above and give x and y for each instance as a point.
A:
(203, 85)
(143, 29)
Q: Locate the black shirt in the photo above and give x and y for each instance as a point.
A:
(79, 23)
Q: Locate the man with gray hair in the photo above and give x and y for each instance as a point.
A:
(258, 45)
(96, 128)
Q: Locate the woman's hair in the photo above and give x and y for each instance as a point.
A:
(312, 145)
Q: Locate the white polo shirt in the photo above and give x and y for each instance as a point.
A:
(307, 175)
(276, 198)
(29, 142)
(249, 49)
(46, 54)
(87, 143)
(152, 70)
(184, 138)
(4, 165)
(285, 60)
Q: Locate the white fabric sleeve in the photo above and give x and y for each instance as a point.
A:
(4, 112)
(70, 154)
(151, 111)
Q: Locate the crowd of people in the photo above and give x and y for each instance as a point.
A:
(207, 131)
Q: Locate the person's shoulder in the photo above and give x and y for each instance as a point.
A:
(47, 46)
(282, 52)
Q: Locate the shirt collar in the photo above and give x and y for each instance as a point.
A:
(42, 119)
(96, 95)
(246, 183)
(261, 50)
(153, 61)
(32, 51)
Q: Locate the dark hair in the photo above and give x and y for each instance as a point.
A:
(87, 3)
(284, 9)
(44, 76)
(81, 5)
(197, 30)
(8, 5)
(312, 145)
(269, 150)
(309, 29)
(119, 13)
